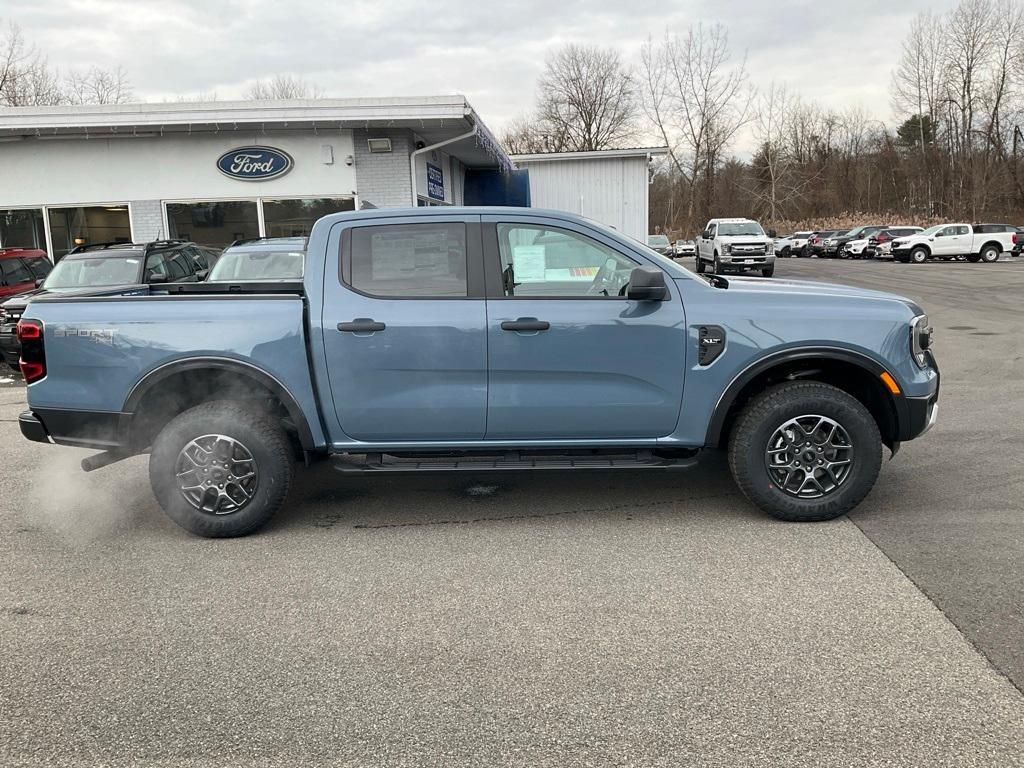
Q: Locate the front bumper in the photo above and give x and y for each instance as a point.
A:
(747, 260)
(920, 413)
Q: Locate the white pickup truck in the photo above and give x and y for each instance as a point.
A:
(975, 242)
(735, 244)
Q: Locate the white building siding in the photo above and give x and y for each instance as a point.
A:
(101, 170)
(610, 190)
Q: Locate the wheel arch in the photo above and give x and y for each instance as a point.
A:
(994, 244)
(853, 372)
(172, 388)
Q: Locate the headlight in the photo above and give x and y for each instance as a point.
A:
(726, 248)
(920, 340)
(769, 248)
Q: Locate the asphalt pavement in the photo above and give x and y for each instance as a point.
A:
(541, 619)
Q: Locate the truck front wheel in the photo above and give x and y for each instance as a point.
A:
(805, 451)
(221, 469)
(919, 256)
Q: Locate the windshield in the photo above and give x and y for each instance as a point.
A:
(929, 231)
(657, 241)
(258, 265)
(740, 228)
(93, 272)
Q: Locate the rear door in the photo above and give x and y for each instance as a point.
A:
(405, 333)
(569, 356)
(16, 277)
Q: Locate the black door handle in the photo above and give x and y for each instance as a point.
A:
(361, 325)
(525, 324)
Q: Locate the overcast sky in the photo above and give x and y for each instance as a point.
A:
(834, 52)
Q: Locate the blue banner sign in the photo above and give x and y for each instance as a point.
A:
(435, 182)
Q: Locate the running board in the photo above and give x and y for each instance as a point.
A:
(375, 463)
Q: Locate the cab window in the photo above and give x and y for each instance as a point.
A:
(557, 263)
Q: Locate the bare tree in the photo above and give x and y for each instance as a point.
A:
(586, 99)
(524, 135)
(774, 163)
(25, 76)
(98, 86)
(282, 87)
(697, 101)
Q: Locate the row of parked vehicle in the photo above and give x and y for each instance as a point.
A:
(124, 269)
(907, 244)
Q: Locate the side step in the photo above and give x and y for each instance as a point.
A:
(374, 463)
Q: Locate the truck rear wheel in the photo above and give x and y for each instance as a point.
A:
(221, 469)
(990, 254)
(805, 451)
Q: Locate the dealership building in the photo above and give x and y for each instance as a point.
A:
(223, 171)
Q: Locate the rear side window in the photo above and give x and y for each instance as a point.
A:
(408, 260)
(15, 272)
(39, 266)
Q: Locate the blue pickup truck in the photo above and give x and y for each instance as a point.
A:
(480, 339)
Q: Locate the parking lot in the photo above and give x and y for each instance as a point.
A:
(626, 619)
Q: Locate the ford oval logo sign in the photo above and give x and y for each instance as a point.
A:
(254, 163)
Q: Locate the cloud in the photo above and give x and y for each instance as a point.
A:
(491, 52)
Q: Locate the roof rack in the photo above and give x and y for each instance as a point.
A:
(115, 243)
(96, 246)
(245, 240)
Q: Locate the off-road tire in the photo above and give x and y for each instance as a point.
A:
(919, 256)
(989, 254)
(768, 271)
(700, 266)
(258, 432)
(716, 266)
(766, 412)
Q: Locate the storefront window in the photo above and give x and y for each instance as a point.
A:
(95, 224)
(213, 223)
(294, 218)
(22, 228)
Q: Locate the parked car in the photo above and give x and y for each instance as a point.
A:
(261, 259)
(792, 245)
(974, 242)
(880, 243)
(97, 270)
(735, 245)
(686, 248)
(816, 242)
(21, 269)
(661, 244)
(834, 246)
(437, 339)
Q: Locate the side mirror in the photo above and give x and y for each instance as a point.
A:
(40, 281)
(156, 277)
(772, 233)
(202, 274)
(647, 284)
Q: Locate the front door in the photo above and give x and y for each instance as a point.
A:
(569, 356)
(404, 327)
(951, 241)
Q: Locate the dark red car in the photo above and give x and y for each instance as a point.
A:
(20, 268)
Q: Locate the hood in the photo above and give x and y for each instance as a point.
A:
(22, 299)
(765, 238)
(807, 287)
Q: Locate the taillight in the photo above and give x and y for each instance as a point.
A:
(33, 356)
(1015, 240)
(882, 237)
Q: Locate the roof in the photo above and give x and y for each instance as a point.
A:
(597, 154)
(433, 118)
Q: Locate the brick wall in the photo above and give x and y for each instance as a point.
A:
(147, 221)
(383, 178)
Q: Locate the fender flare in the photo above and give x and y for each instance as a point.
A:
(716, 426)
(245, 369)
